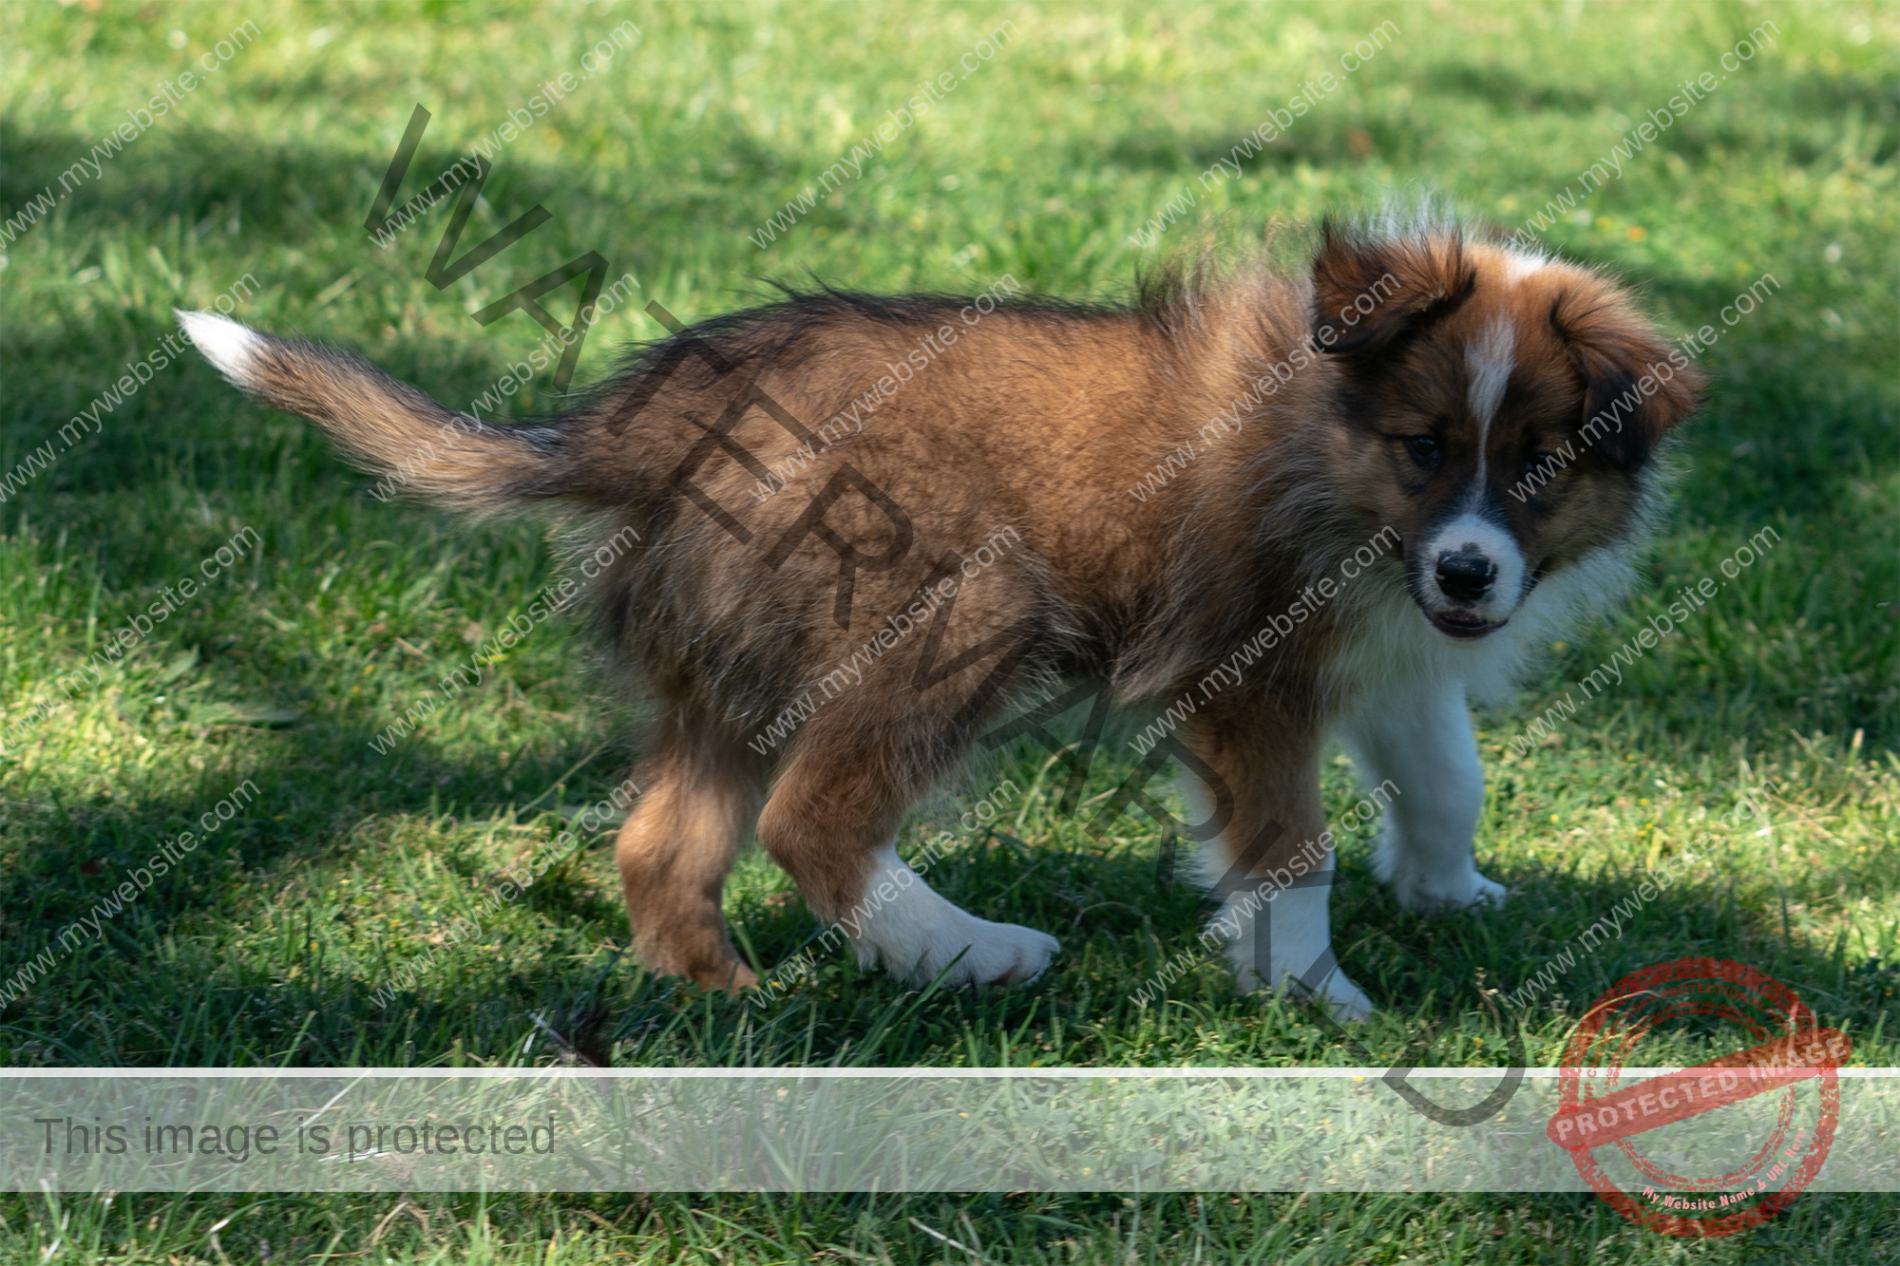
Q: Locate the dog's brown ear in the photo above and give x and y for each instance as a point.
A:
(1635, 386)
(1368, 296)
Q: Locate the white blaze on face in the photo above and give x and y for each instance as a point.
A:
(1518, 265)
(1488, 359)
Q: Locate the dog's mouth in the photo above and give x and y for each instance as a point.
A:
(1463, 625)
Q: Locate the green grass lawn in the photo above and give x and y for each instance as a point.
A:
(337, 612)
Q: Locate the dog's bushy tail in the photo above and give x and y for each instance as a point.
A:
(418, 447)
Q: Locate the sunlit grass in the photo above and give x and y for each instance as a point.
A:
(269, 946)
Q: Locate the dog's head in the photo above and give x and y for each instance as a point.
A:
(1500, 411)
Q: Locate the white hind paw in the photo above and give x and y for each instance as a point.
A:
(917, 935)
(1001, 954)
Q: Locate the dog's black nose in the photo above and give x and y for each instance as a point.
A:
(1465, 575)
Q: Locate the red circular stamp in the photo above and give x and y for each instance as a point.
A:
(1711, 1149)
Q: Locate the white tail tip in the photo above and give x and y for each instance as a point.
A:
(225, 343)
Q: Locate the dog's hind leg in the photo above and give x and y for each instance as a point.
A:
(832, 823)
(700, 790)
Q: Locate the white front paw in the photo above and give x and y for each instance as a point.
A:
(1426, 893)
(1346, 1001)
(1424, 888)
(1488, 892)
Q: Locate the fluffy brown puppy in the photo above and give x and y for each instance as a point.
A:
(1279, 506)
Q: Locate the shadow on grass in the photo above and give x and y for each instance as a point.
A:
(282, 193)
(1507, 91)
(299, 1001)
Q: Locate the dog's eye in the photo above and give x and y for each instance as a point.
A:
(1546, 463)
(1423, 448)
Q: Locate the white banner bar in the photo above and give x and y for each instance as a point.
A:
(906, 1129)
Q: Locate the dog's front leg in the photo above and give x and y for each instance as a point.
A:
(1271, 865)
(1415, 748)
